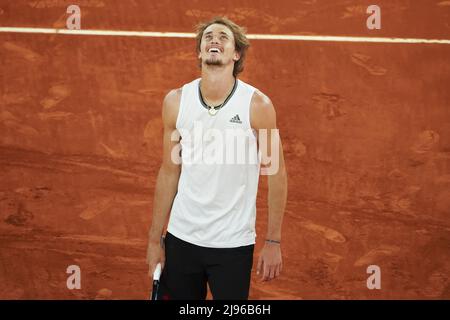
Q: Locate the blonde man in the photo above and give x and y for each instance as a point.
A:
(208, 194)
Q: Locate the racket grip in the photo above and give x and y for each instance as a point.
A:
(156, 276)
(157, 272)
(155, 290)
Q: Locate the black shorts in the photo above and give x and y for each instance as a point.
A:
(188, 269)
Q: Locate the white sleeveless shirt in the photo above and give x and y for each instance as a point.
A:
(215, 205)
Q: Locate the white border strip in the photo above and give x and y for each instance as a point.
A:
(192, 35)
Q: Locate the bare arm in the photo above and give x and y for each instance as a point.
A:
(263, 118)
(167, 180)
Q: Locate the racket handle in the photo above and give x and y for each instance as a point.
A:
(155, 290)
(156, 276)
(157, 272)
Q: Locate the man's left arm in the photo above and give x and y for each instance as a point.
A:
(263, 119)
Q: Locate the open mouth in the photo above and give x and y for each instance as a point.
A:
(214, 50)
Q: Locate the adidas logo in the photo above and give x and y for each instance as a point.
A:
(236, 119)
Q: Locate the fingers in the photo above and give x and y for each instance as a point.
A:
(277, 271)
(271, 272)
(151, 269)
(266, 272)
(153, 258)
(260, 262)
(163, 260)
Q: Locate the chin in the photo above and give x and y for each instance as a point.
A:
(213, 62)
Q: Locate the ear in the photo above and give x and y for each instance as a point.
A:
(237, 56)
(199, 54)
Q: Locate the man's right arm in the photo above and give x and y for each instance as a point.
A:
(168, 176)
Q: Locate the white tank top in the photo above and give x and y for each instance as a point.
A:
(215, 205)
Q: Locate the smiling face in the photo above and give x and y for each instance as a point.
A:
(217, 46)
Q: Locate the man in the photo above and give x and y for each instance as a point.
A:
(212, 203)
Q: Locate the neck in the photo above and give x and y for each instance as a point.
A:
(216, 83)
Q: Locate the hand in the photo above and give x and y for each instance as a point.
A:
(155, 255)
(270, 261)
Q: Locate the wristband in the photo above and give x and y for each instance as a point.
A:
(273, 241)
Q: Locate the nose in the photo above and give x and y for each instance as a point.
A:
(215, 39)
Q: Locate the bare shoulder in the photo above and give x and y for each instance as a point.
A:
(172, 99)
(262, 111)
(261, 100)
(171, 106)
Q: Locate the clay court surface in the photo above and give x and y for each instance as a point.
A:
(365, 130)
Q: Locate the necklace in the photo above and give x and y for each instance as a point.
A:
(211, 109)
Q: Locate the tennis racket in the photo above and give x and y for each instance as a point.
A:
(156, 276)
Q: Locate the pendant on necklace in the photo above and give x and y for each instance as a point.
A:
(212, 111)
